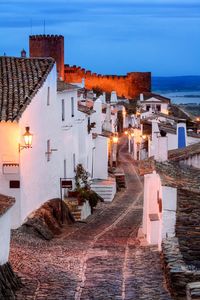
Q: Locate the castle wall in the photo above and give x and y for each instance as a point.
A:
(48, 46)
(129, 86)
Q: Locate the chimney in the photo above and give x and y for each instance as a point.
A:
(83, 82)
(113, 98)
(104, 97)
(141, 97)
(23, 53)
(154, 137)
(181, 133)
(98, 115)
(161, 153)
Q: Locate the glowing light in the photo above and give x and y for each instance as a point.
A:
(126, 132)
(144, 136)
(115, 139)
(28, 137)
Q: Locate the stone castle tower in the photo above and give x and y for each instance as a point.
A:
(129, 86)
(48, 46)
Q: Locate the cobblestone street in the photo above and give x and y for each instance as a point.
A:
(101, 259)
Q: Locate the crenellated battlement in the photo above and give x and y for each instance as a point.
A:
(48, 46)
(46, 36)
(129, 85)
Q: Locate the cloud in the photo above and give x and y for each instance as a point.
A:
(145, 34)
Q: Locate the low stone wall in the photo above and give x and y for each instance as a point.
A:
(178, 274)
(9, 282)
(188, 226)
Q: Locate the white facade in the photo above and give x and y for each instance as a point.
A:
(69, 124)
(40, 166)
(159, 210)
(5, 225)
(153, 105)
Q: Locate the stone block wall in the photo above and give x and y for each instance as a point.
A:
(178, 274)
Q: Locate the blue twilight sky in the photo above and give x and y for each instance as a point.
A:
(111, 36)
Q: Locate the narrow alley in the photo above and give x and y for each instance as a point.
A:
(100, 260)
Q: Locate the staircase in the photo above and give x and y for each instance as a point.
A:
(105, 188)
(74, 208)
(79, 212)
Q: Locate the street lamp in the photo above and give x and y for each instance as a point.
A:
(114, 150)
(130, 133)
(28, 137)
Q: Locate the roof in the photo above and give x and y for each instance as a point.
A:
(172, 129)
(84, 109)
(172, 174)
(20, 80)
(5, 203)
(148, 95)
(184, 153)
(63, 86)
(182, 177)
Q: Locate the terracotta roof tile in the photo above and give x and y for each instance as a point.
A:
(184, 153)
(20, 80)
(63, 86)
(148, 95)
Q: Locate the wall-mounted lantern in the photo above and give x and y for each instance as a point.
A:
(115, 139)
(28, 137)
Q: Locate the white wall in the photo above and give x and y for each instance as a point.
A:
(39, 177)
(9, 142)
(169, 203)
(153, 102)
(152, 229)
(101, 158)
(69, 131)
(164, 225)
(5, 225)
(85, 210)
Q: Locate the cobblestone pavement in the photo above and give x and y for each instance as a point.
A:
(100, 260)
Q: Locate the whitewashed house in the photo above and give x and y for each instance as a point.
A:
(152, 103)
(28, 101)
(5, 225)
(171, 183)
(69, 123)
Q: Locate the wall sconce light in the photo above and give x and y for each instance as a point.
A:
(28, 137)
(115, 139)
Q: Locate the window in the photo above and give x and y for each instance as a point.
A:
(65, 168)
(63, 110)
(158, 107)
(148, 107)
(72, 106)
(74, 162)
(48, 95)
(48, 153)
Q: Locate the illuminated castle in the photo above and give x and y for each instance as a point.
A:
(129, 86)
